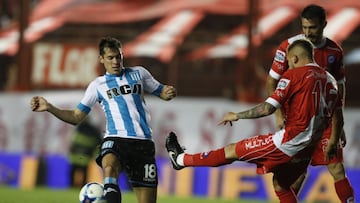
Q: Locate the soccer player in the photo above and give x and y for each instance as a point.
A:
(127, 144)
(308, 96)
(329, 55)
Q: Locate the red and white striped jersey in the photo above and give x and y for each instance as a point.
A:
(308, 96)
(328, 55)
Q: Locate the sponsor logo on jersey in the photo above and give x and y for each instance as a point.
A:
(279, 66)
(280, 56)
(331, 59)
(279, 93)
(282, 84)
(124, 90)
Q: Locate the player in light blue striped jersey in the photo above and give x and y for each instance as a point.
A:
(127, 145)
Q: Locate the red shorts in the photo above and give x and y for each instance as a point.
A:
(319, 154)
(261, 151)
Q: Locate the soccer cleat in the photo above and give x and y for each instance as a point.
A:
(174, 149)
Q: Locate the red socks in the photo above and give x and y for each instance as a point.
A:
(286, 196)
(344, 191)
(212, 158)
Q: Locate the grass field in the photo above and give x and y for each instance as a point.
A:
(45, 195)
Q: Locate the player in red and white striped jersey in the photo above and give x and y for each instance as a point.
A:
(308, 96)
(328, 55)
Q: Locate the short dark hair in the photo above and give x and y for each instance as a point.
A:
(109, 42)
(305, 44)
(314, 11)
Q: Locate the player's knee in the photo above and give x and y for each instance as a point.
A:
(230, 151)
(110, 171)
(110, 165)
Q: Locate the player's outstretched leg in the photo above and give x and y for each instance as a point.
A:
(174, 149)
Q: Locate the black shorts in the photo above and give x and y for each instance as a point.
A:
(137, 158)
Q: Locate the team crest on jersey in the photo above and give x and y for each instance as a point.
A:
(135, 75)
(331, 59)
(282, 84)
(280, 56)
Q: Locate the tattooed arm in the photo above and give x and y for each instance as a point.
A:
(261, 110)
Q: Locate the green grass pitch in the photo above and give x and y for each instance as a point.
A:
(46, 195)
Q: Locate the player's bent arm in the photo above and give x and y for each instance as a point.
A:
(336, 131)
(258, 111)
(261, 110)
(270, 88)
(270, 84)
(342, 91)
(69, 116)
(341, 87)
(337, 125)
(40, 104)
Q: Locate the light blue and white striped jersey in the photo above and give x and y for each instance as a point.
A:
(122, 99)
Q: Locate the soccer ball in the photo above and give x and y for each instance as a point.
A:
(92, 193)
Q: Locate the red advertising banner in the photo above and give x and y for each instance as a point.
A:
(63, 65)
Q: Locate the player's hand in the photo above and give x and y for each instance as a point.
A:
(229, 118)
(38, 104)
(168, 92)
(331, 151)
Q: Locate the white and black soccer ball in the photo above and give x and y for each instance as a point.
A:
(92, 193)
